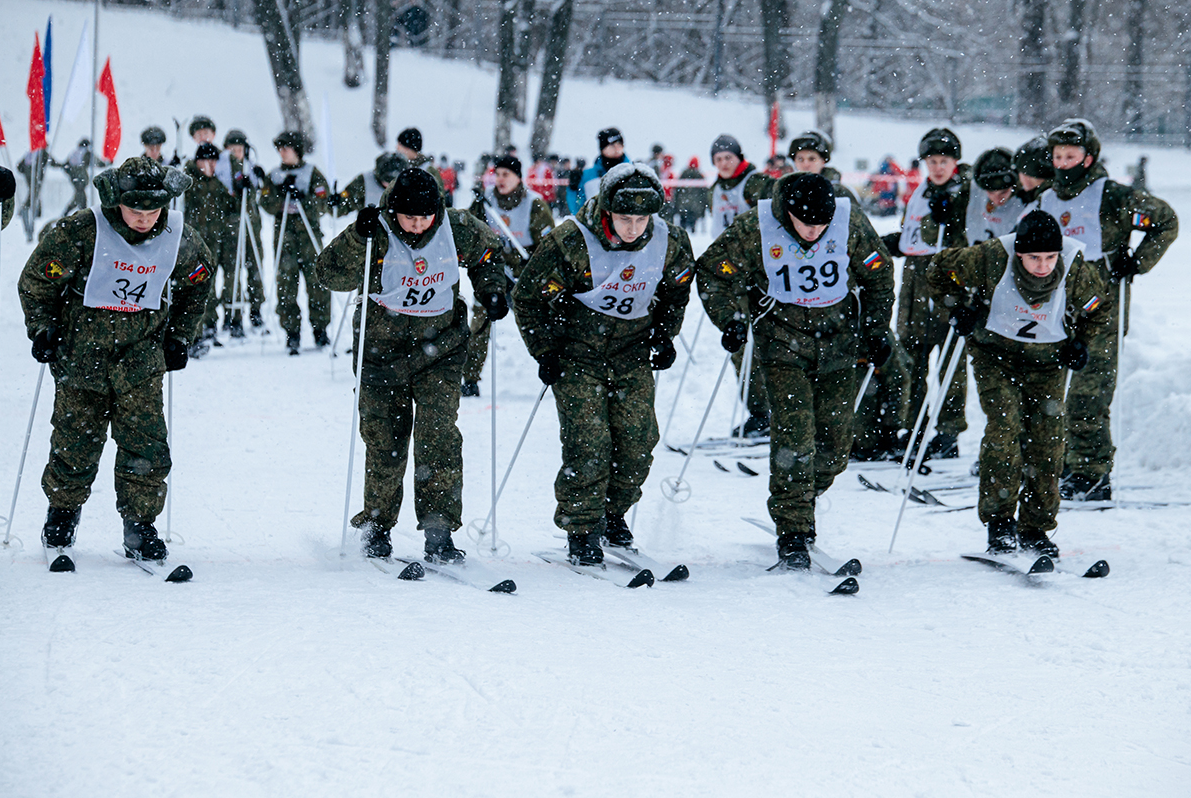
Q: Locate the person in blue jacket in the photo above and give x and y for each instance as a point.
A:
(611, 154)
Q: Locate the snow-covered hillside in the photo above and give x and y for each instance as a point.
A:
(280, 671)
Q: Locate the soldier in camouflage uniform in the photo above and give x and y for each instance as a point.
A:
(1029, 304)
(297, 184)
(241, 176)
(152, 139)
(598, 305)
(813, 278)
(213, 211)
(365, 189)
(414, 353)
(527, 216)
(112, 297)
(1035, 172)
(409, 147)
(77, 167)
(938, 205)
(8, 191)
(1101, 214)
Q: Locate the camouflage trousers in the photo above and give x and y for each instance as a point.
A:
(1090, 450)
(80, 421)
(297, 260)
(922, 327)
(426, 407)
(882, 411)
(1021, 453)
(810, 436)
(608, 431)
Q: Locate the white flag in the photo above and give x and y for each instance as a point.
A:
(78, 89)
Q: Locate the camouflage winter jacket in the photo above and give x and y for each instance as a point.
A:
(956, 220)
(399, 345)
(351, 197)
(733, 285)
(552, 320)
(969, 275)
(541, 222)
(314, 201)
(212, 210)
(106, 350)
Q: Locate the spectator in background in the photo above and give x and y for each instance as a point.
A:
(450, 180)
(690, 202)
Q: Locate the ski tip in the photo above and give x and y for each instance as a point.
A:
(412, 572)
(645, 578)
(679, 574)
(180, 574)
(1042, 565)
(1099, 570)
(848, 587)
(851, 568)
(507, 586)
(720, 466)
(62, 565)
(676, 450)
(746, 470)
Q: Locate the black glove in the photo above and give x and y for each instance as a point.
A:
(175, 161)
(1125, 265)
(549, 368)
(875, 350)
(258, 171)
(661, 350)
(368, 222)
(940, 207)
(495, 305)
(240, 182)
(175, 354)
(735, 335)
(892, 242)
(8, 184)
(334, 200)
(964, 319)
(45, 346)
(1073, 354)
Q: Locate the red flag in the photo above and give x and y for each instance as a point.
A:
(36, 92)
(3, 142)
(107, 87)
(775, 121)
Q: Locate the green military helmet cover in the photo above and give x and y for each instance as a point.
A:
(632, 189)
(141, 184)
(295, 139)
(388, 164)
(152, 135)
(940, 141)
(1076, 132)
(235, 136)
(1033, 159)
(201, 122)
(993, 170)
(814, 140)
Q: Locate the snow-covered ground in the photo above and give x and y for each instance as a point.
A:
(280, 672)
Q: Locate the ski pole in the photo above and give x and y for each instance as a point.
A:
(657, 378)
(492, 391)
(674, 487)
(309, 230)
(280, 238)
(939, 397)
(351, 300)
(351, 454)
(740, 403)
(8, 536)
(681, 380)
(492, 511)
(868, 376)
(1116, 413)
(504, 228)
(928, 399)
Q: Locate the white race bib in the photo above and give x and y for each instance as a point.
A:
(625, 282)
(372, 189)
(128, 278)
(1080, 217)
(516, 219)
(1010, 316)
(917, 209)
(223, 170)
(985, 221)
(726, 205)
(419, 282)
(814, 278)
(303, 177)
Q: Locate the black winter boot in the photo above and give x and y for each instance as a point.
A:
(616, 531)
(440, 549)
(141, 541)
(583, 548)
(1085, 488)
(293, 342)
(755, 426)
(321, 339)
(793, 550)
(469, 389)
(942, 447)
(374, 541)
(1035, 540)
(1002, 535)
(60, 526)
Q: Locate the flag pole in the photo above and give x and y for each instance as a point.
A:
(94, 83)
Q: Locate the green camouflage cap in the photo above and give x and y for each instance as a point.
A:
(201, 122)
(141, 184)
(814, 140)
(153, 135)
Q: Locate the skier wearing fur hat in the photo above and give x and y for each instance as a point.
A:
(214, 212)
(810, 274)
(293, 185)
(415, 348)
(1102, 214)
(525, 214)
(113, 296)
(598, 305)
(409, 147)
(366, 188)
(1029, 305)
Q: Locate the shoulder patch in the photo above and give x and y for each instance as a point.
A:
(727, 268)
(1092, 304)
(320, 191)
(1142, 221)
(199, 274)
(54, 270)
(874, 261)
(552, 288)
(684, 276)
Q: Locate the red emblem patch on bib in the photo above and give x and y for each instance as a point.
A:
(775, 251)
(989, 207)
(420, 265)
(627, 273)
(1065, 219)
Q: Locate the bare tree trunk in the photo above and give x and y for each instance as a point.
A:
(826, 60)
(1072, 41)
(452, 39)
(554, 62)
(514, 66)
(380, 91)
(281, 44)
(777, 69)
(1135, 60)
(353, 42)
(1031, 90)
(717, 48)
